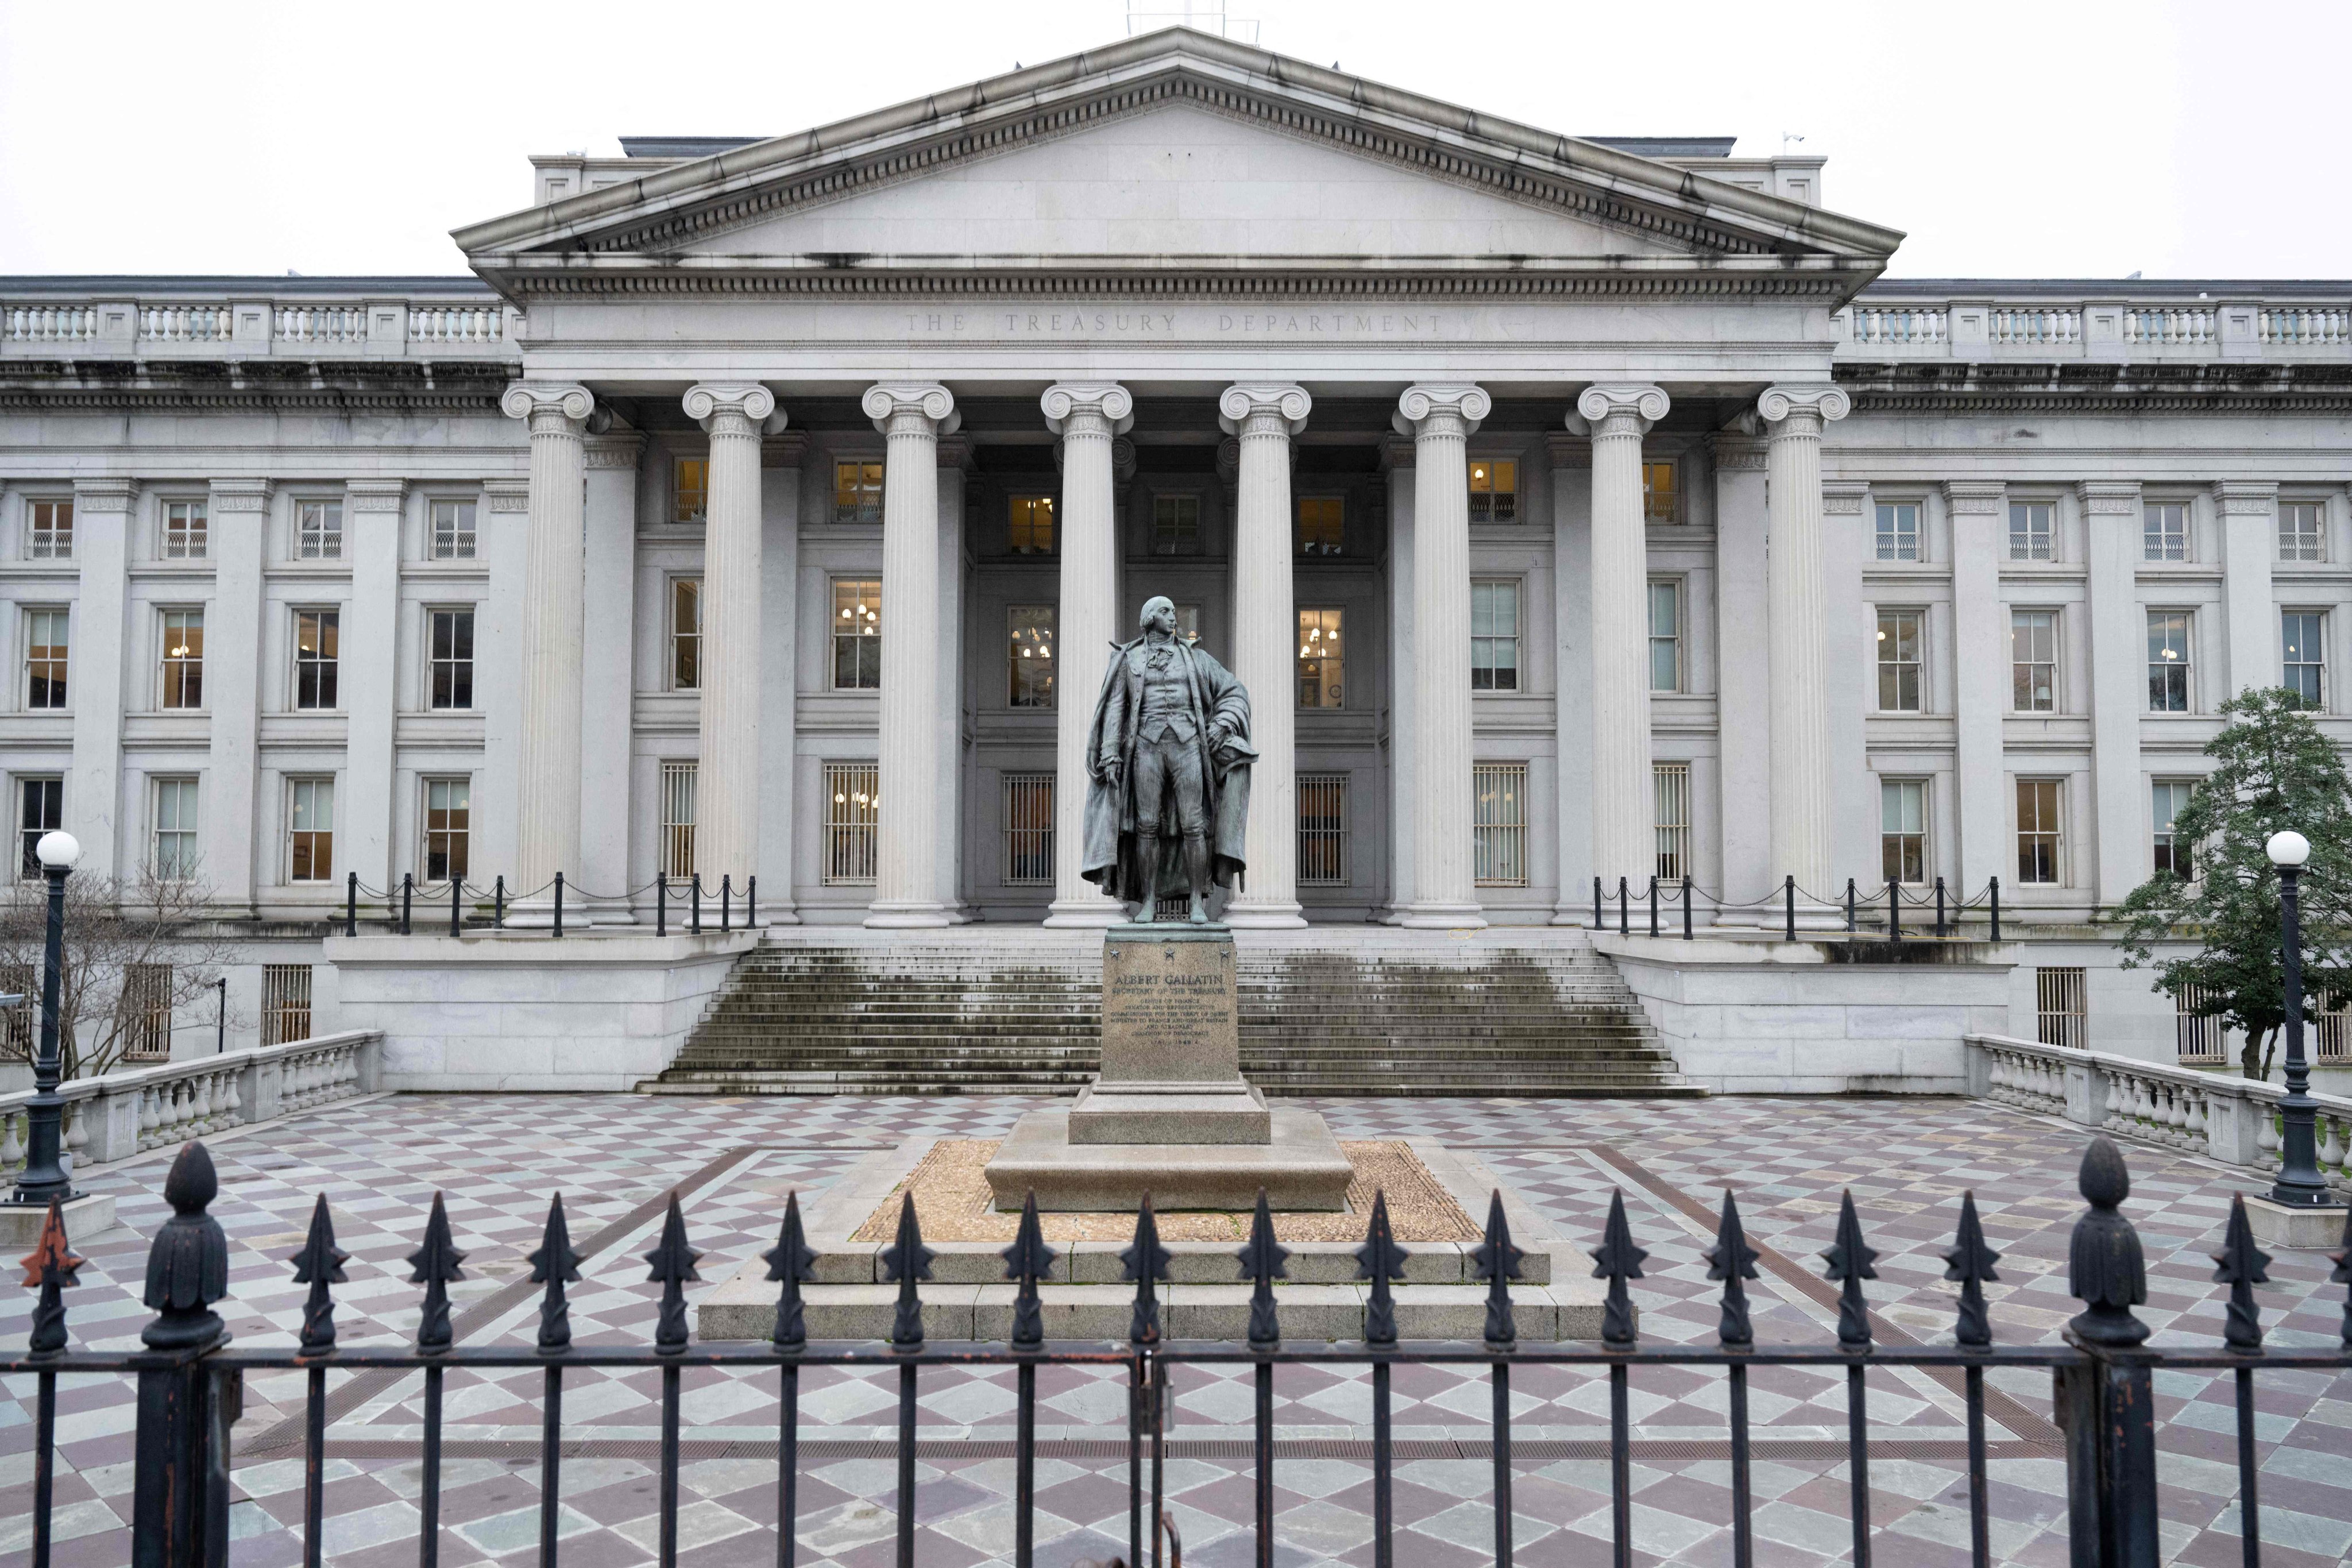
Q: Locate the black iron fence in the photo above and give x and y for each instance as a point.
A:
(1870, 910)
(477, 906)
(190, 1377)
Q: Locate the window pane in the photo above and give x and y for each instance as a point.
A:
(2166, 532)
(2038, 832)
(691, 490)
(1903, 830)
(686, 633)
(1027, 801)
(1898, 661)
(1899, 530)
(2033, 654)
(1494, 491)
(1659, 501)
(2167, 661)
(679, 781)
(40, 808)
(1321, 682)
(315, 660)
(858, 492)
(1030, 525)
(318, 531)
(853, 815)
(48, 531)
(856, 633)
(2029, 531)
(1029, 655)
(2303, 641)
(1321, 525)
(46, 657)
(2301, 532)
(2170, 797)
(1498, 817)
(184, 529)
(1665, 637)
(448, 827)
(312, 830)
(1494, 636)
(184, 658)
(1176, 525)
(1671, 818)
(453, 531)
(450, 673)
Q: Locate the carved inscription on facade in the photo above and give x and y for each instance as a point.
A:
(1170, 1013)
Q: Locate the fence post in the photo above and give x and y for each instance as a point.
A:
(752, 901)
(1623, 927)
(457, 904)
(179, 1479)
(407, 898)
(1596, 903)
(1789, 891)
(498, 908)
(1653, 903)
(726, 901)
(1995, 908)
(1940, 907)
(2116, 1455)
(1686, 909)
(661, 904)
(694, 909)
(558, 906)
(1894, 910)
(1849, 906)
(350, 903)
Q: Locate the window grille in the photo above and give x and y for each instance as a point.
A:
(174, 852)
(1029, 656)
(2165, 535)
(2029, 532)
(2197, 1039)
(2330, 1042)
(1323, 830)
(48, 531)
(680, 782)
(2167, 661)
(1661, 498)
(2033, 660)
(690, 493)
(17, 1023)
(2059, 1017)
(856, 633)
(40, 808)
(318, 531)
(285, 1003)
(1322, 525)
(1672, 789)
(2039, 836)
(1176, 525)
(147, 1012)
(1029, 525)
(1494, 492)
(1665, 634)
(1321, 673)
(184, 658)
(1495, 636)
(185, 530)
(2303, 661)
(858, 492)
(2303, 531)
(1903, 830)
(2168, 798)
(316, 659)
(852, 822)
(453, 531)
(310, 831)
(450, 680)
(1899, 690)
(1899, 530)
(1500, 824)
(46, 633)
(449, 828)
(1028, 800)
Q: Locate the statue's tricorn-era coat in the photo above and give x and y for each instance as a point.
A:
(1218, 698)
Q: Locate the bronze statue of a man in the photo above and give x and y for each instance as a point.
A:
(1168, 756)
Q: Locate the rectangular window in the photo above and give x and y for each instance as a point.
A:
(1495, 636)
(449, 828)
(1029, 656)
(1028, 803)
(2033, 660)
(858, 492)
(1323, 830)
(2167, 799)
(2040, 838)
(318, 536)
(2028, 532)
(1322, 525)
(2302, 657)
(2167, 661)
(449, 673)
(686, 633)
(1321, 675)
(1499, 832)
(2060, 1015)
(1903, 830)
(1029, 525)
(1898, 661)
(173, 851)
(147, 1008)
(853, 815)
(184, 658)
(2302, 531)
(1176, 525)
(285, 1003)
(2164, 531)
(689, 489)
(678, 784)
(1899, 530)
(1671, 789)
(46, 636)
(2197, 1039)
(310, 830)
(48, 531)
(316, 659)
(453, 531)
(1661, 498)
(185, 528)
(40, 808)
(1188, 622)
(1665, 634)
(1494, 492)
(16, 1023)
(856, 633)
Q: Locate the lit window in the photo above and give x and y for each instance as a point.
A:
(1903, 830)
(1028, 803)
(186, 527)
(285, 1003)
(1494, 492)
(1498, 831)
(1495, 636)
(316, 659)
(46, 633)
(449, 672)
(1322, 525)
(2040, 838)
(1898, 661)
(1321, 682)
(680, 782)
(2167, 799)
(184, 658)
(1029, 656)
(318, 531)
(856, 635)
(1029, 525)
(2303, 643)
(40, 808)
(173, 852)
(1176, 525)
(689, 489)
(853, 815)
(1671, 791)
(2167, 661)
(1322, 830)
(1665, 634)
(48, 531)
(453, 531)
(449, 828)
(686, 633)
(2029, 532)
(1661, 501)
(2303, 531)
(2033, 660)
(310, 830)
(858, 492)
(1899, 530)
(1188, 622)
(2165, 533)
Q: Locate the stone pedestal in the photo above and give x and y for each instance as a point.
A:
(85, 1216)
(2296, 1229)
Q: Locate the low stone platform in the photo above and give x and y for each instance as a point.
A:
(1301, 1168)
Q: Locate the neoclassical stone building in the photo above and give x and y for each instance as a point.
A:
(1574, 509)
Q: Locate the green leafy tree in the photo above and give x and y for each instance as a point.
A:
(2272, 769)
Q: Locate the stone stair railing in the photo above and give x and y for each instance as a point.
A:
(2220, 1115)
(129, 1112)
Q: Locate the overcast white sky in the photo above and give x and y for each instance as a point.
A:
(2063, 137)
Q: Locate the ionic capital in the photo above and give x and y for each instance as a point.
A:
(714, 404)
(1105, 399)
(1425, 401)
(546, 402)
(1241, 403)
(925, 400)
(1823, 404)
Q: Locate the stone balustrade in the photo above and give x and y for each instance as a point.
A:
(308, 324)
(1898, 324)
(130, 1111)
(2218, 1115)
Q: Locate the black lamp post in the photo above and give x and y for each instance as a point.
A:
(2299, 1183)
(44, 1179)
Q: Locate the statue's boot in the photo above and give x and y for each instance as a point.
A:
(1147, 857)
(1196, 874)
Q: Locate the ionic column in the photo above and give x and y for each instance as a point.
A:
(547, 830)
(906, 874)
(607, 671)
(1439, 419)
(1624, 810)
(1087, 417)
(1262, 419)
(1797, 617)
(727, 777)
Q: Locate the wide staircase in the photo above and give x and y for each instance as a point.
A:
(971, 1016)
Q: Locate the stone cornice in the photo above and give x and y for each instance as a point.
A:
(2109, 498)
(104, 495)
(1843, 498)
(615, 451)
(785, 450)
(508, 495)
(241, 495)
(2200, 388)
(374, 495)
(2245, 498)
(1975, 497)
(1737, 452)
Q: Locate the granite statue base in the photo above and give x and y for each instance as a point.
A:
(1300, 1167)
(1171, 1043)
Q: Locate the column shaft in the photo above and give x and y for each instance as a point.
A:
(372, 513)
(607, 683)
(1087, 418)
(779, 641)
(726, 778)
(905, 892)
(1624, 810)
(548, 783)
(1441, 418)
(1265, 636)
(1799, 634)
(96, 681)
(235, 633)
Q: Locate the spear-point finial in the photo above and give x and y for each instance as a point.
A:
(2106, 1270)
(1027, 1261)
(1497, 1261)
(318, 1265)
(906, 1261)
(1849, 1263)
(187, 1263)
(1264, 1260)
(792, 1263)
(436, 1264)
(555, 1265)
(1379, 1259)
(1970, 1261)
(2342, 1275)
(1732, 1260)
(1145, 1260)
(2242, 1266)
(1617, 1260)
(671, 1265)
(51, 1267)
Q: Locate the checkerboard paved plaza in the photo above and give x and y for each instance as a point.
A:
(497, 1158)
